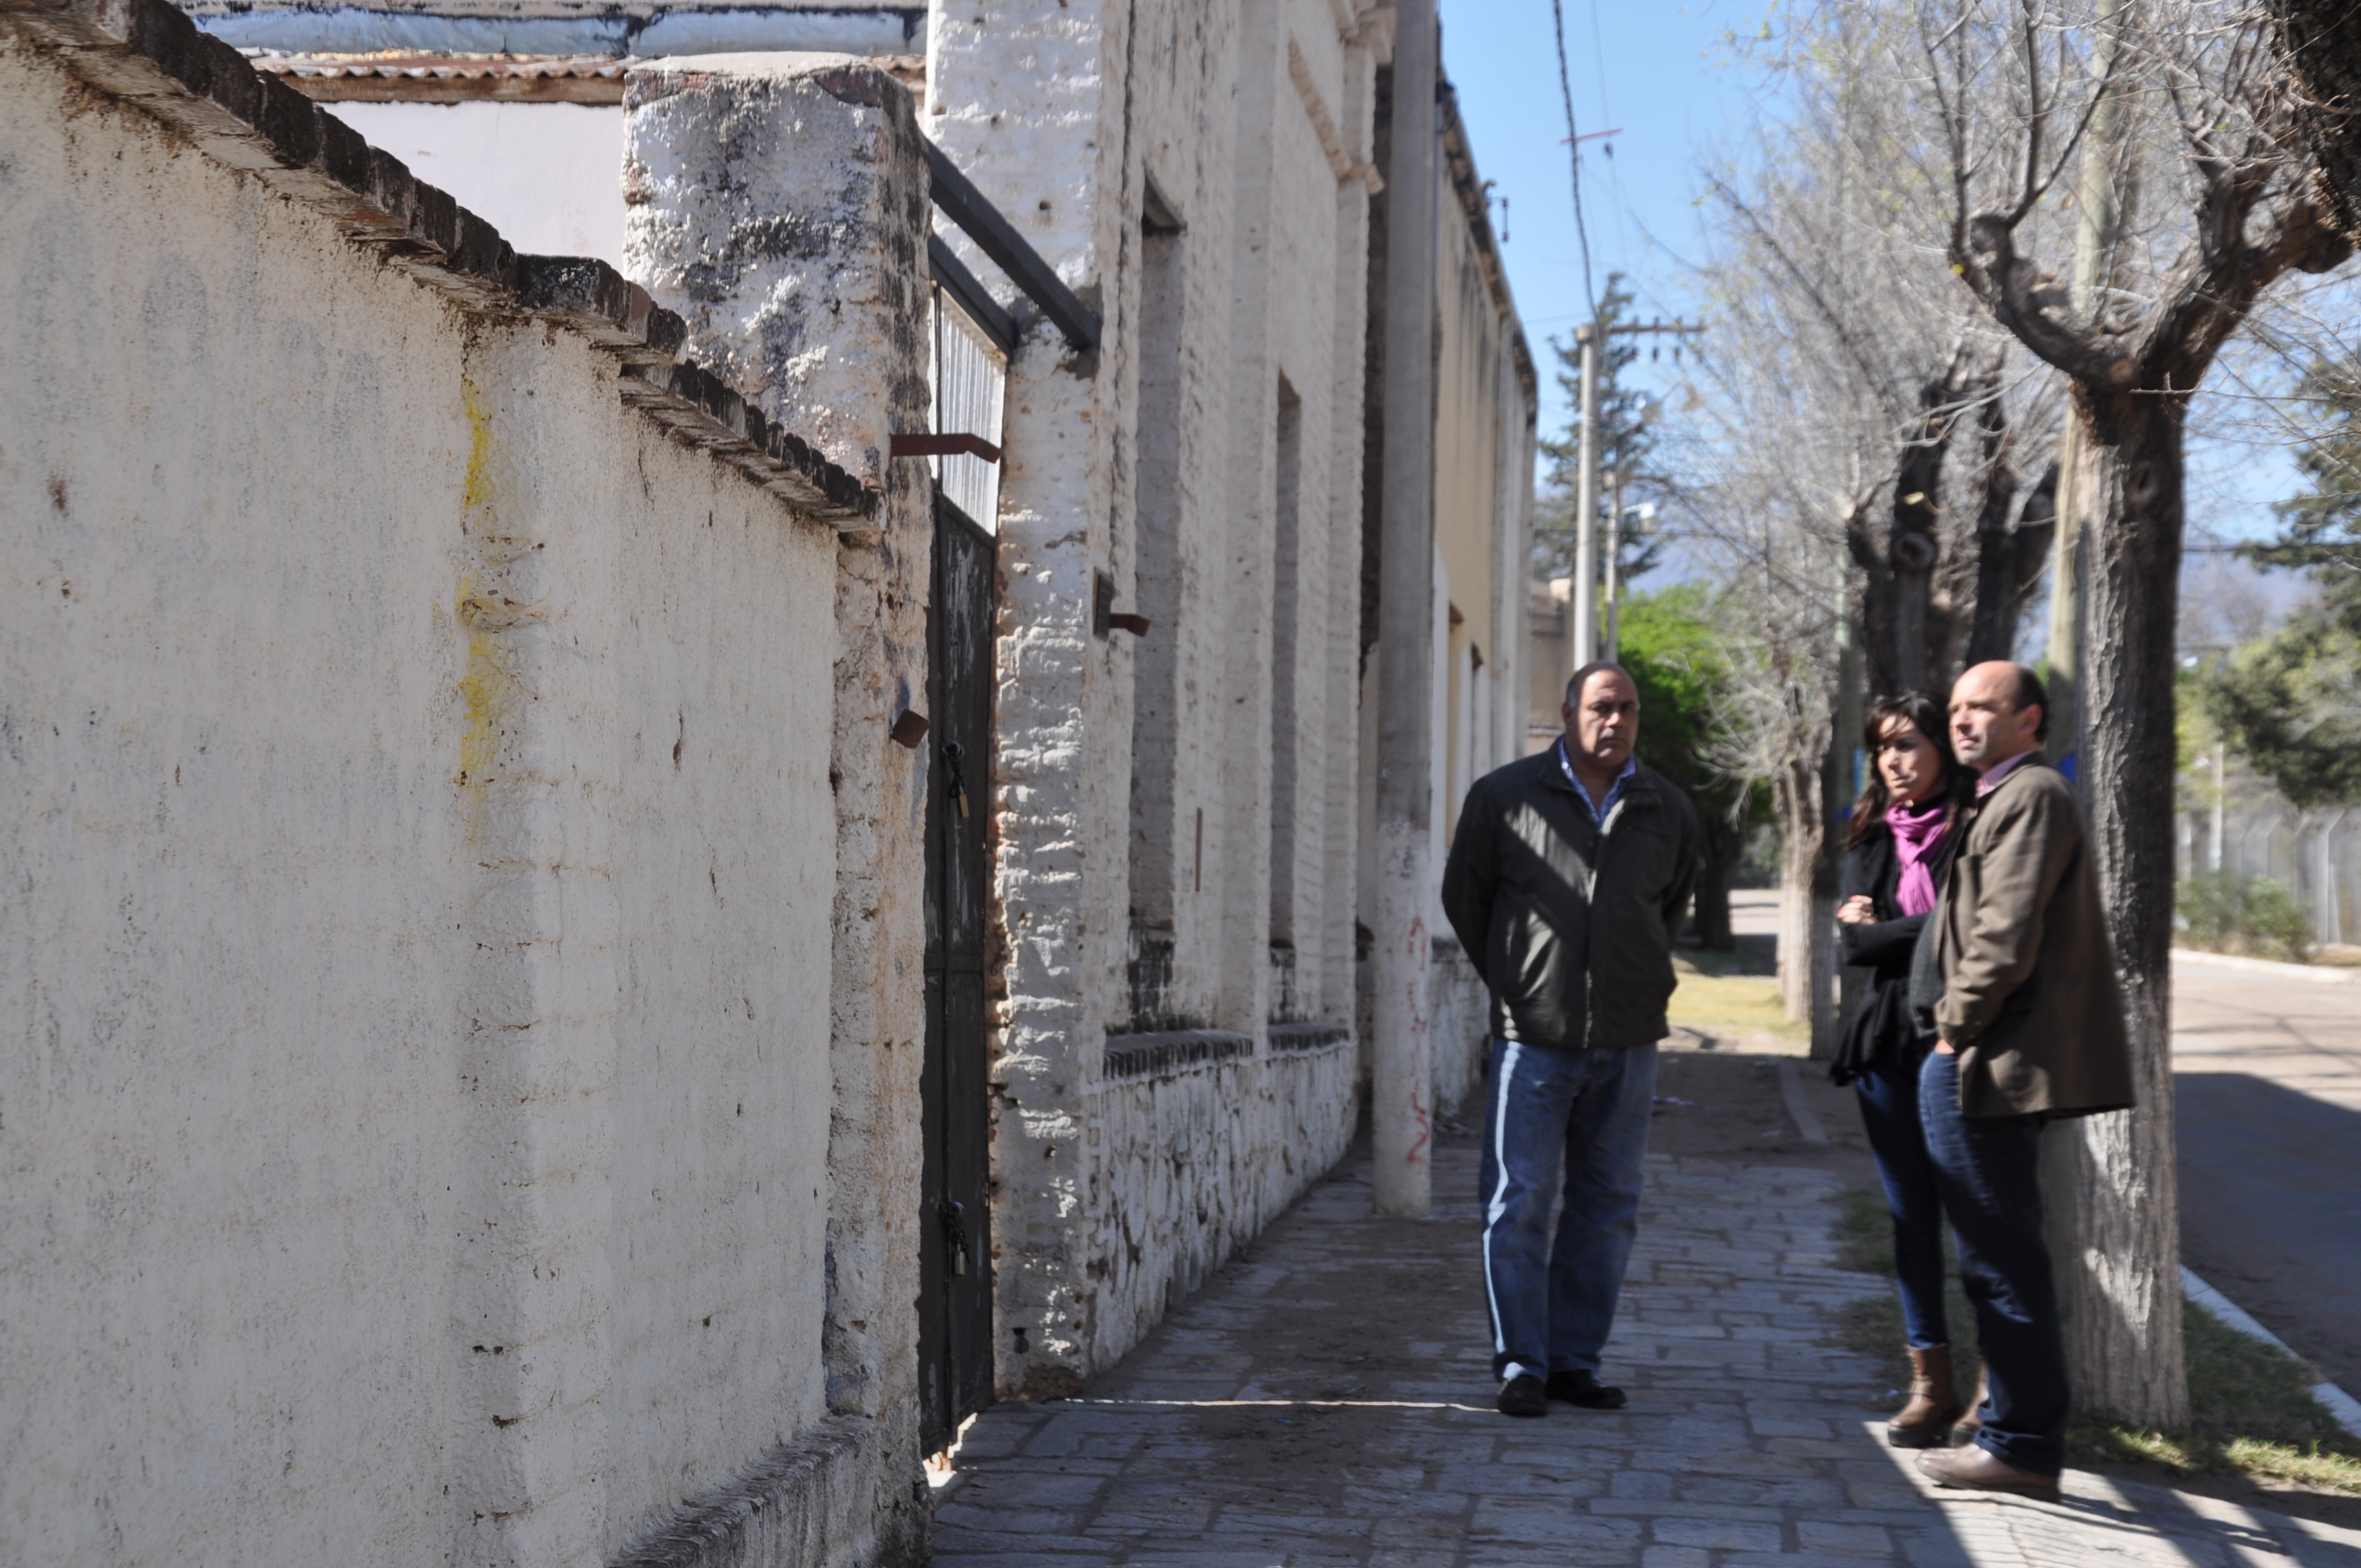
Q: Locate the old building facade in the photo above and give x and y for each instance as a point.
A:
(667, 1128)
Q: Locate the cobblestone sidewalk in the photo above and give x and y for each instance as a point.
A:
(1326, 1402)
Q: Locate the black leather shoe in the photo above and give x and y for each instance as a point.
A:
(1523, 1396)
(1584, 1388)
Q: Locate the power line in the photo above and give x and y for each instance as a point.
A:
(1573, 151)
(1614, 176)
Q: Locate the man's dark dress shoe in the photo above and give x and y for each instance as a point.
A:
(1978, 1468)
(1523, 1396)
(1584, 1388)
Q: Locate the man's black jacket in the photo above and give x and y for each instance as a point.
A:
(1571, 925)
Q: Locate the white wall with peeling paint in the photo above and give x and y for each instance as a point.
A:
(1135, 792)
(419, 858)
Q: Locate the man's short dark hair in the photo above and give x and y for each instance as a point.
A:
(1581, 679)
(2031, 693)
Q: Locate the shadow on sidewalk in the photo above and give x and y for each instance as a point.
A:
(1326, 1399)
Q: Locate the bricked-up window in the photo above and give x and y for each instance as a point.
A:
(1163, 851)
(1286, 601)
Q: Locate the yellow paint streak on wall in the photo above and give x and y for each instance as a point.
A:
(477, 490)
(489, 688)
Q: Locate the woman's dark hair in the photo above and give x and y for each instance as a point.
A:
(1923, 713)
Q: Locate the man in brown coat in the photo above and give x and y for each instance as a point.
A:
(2018, 976)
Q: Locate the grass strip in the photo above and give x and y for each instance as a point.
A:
(2251, 1409)
(1730, 1004)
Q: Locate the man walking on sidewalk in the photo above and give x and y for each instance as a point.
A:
(1568, 875)
(2017, 977)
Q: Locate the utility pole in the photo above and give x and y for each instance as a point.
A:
(1585, 527)
(2217, 827)
(1402, 1075)
(1613, 647)
(1585, 504)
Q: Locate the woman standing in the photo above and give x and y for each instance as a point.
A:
(1904, 828)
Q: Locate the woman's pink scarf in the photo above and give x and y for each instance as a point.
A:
(1918, 834)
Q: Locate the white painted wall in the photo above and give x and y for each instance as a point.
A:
(1061, 112)
(228, 1105)
(548, 176)
(1200, 1158)
(414, 812)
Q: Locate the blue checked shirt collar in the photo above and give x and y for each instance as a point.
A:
(1598, 814)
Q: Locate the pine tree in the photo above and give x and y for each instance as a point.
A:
(2291, 701)
(1624, 438)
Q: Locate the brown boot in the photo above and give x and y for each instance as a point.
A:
(1925, 1420)
(1965, 1429)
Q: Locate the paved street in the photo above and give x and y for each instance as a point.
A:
(2268, 1071)
(1325, 1401)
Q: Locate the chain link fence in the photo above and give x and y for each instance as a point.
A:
(2313, 857)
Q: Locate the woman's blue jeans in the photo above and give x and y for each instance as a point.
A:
(1553, 1305)
(1889, 1111)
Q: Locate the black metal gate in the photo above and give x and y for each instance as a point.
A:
(955, 1259)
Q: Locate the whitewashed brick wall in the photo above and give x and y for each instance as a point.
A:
(449, 997)
(1112, 1194)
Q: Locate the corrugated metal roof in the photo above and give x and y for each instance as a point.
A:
(445, 78)
(409, 76)
(443, 67)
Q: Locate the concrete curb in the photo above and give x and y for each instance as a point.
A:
(2340, 1404)
(2318, 974)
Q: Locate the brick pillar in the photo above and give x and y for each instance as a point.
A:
(1023, 102)
(779, 203)
(1408, 732)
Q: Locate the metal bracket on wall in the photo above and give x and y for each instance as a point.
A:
(920, 443)
(1104, 617)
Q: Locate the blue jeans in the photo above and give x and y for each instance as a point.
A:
(1553, 1305)
(1889, 1113)
(1989, 1168)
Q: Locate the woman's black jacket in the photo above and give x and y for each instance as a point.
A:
(1879, 1024)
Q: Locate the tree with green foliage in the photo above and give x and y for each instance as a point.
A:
(1673, 646)
(1625, 439)
(2291, 701)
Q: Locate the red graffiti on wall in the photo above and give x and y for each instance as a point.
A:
(1418, 1150)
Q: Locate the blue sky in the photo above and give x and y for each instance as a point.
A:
(1657, 72)
(1666, 77)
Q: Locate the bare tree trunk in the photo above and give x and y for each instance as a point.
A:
(1722, 847)
(2127, 1341)
(2009, 564)
(1916, 610)
(1911, 548)
(2323, 56)
(1796, 794)
(1877, 591)
(1996, 562)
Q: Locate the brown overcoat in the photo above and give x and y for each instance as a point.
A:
(2029, 994)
